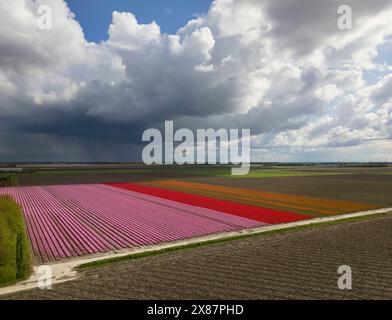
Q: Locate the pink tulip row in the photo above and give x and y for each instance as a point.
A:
(76, 220)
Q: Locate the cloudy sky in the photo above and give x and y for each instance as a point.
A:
(86, 89)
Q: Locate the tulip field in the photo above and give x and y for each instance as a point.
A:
(314, 206)
(75, 220)
(261, 214)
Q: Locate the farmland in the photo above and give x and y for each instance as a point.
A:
(72, 212)
(273, 267)
(311, 205)
(45, 175)
(368, 187)
(76, 211)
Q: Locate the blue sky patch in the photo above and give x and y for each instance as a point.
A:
(95, 16)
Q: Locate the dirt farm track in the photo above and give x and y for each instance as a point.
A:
(295, 265)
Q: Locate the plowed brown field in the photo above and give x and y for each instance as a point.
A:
(368, 188)
(297, 265)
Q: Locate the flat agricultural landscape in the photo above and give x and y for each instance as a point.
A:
(74, 212)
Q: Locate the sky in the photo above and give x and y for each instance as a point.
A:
(95, 16)
(86, 88)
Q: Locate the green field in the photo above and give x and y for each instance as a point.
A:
(222, 171)
(8, 180)
(15, 257)
(210, 171)
(271, 173)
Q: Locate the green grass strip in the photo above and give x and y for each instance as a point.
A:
(15, 255)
